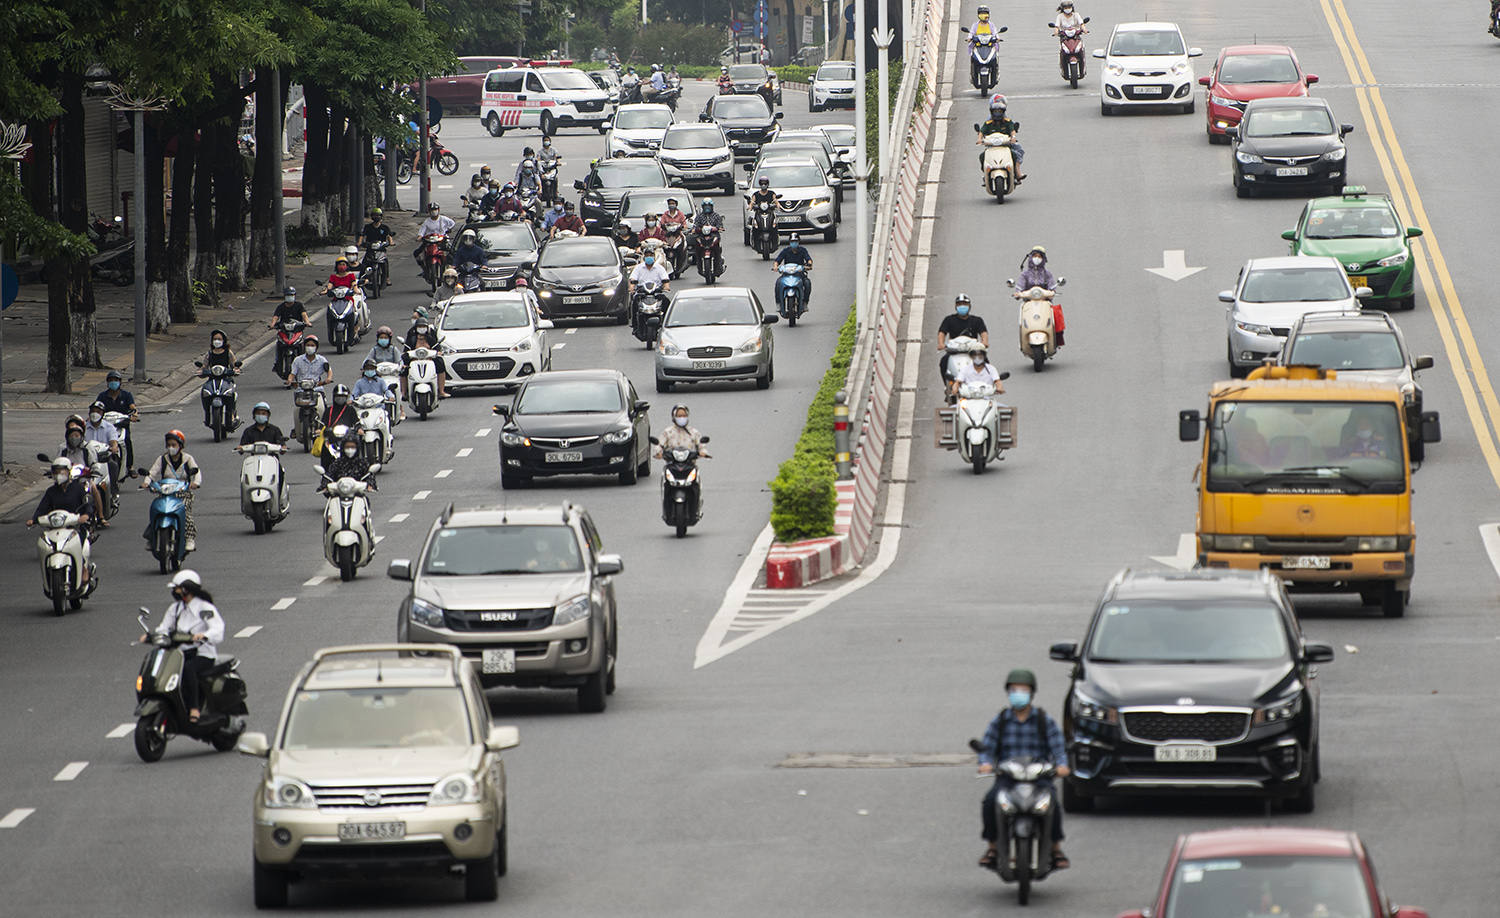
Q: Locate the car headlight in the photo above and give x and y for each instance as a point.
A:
(1179, 68)
(667, 347)
(1092, 710)
(1113, 69)
(751, 345)
(545, 286)
(523, 345)
(425, 613)
(1220, 100)
(512, 439)
(1377, 543)
(459, 788)
(1247, 157)
(819, 202)
(1397, 259)
(618, 436)
(574, 610)
(1333, 156)
(1250, 328)
(288, 794)
(1276, 713)
(723, 157)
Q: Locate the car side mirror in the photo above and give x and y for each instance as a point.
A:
(1097, 52)
(610, 564)
(1226, 296)
(748, 167)
(502, 738)
(1233, 133)
(606, 125)
(777, 116)
(1289, 235)
(733, 144)
(545, 325)
(254, 744)
(578, 184)
(1412, 232)
(1423, 362)
(1317, 653)
(1188, 423)
(1066, 652)
(1432, 427)
(1363, 293)
(770, 319)
(399, 569)
(641, 405)
(1346, 129)
(500, 410)
(529, 261)
(704, 116)
(1195, 52)
(743, 186)
(1204, 81)
(1311, 78)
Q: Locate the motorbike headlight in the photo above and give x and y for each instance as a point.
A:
(1276, 713)
(1334, 156)
(1113, 69)
(751, 345)
(288, 794)
(1179, 68)
(1247, 158)
(523, 345)
(512, 439)
(1088, 709)
(1250, 328)
(454, 789)
(425, 613)
(574, 610)
(1397, 259)
(1007, 805)
(667, 347)
(618, 436)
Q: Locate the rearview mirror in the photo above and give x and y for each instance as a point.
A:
(319, 470)
(1289, 235)
(1363, 293)
(1188, 423)
(1346, 129)
(1005, 374)
(374, 467)
(777, 116)
(964, 29)
(749, 167)
(545, 325)
(1195, 52)
(502, 738)
(1062, 281)
(1412, 232)
(1423, 362)
(653, 441)
(501, 410)
(1204, 81)
(606, 125)
(1317, 653)
(1311, 79)
(1226, 296)
(770, 319)
(702, 439)
(1098, 52)
(1233, 133)
(578, 184)
(197, 363)
(1067, 651)
(1432, 427)
(610, 564)
(399, 569)
(1004, 29)
(976, 127)
(641, 405)
(45, 458)
(254, 744)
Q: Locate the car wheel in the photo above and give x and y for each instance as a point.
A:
(831, 234)
(1409, 302)
(1393, 601)
(502, 851)
(492, 124)
(591, 695)
(270, 886)
(663, 385)
(548, 124)
(482, 878)
(512, 482)
(764, 381)
(1073, 801)
(1241, 188)
(1215, 139)
(628, 474)
(1189, 108)
(1235, 371)
(1305, 801)
(747, 235)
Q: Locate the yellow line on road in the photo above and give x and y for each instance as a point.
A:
(1464, 357)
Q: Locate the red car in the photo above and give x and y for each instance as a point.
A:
(462, 89)
(1245, 72)
(1278, 871)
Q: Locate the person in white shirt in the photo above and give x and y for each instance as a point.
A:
(979, 372)
(650, 270)
(1067, 18)
(193, 613)
(110, 438)
(435, 223)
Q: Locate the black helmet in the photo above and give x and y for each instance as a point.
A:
(340, 394)
(369, 364)
(765, 182)
(569, 206)
(114, 374)
(290, 291)
(484, 171)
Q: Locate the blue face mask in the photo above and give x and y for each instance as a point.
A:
(369, 374)
(961, 310)
(650, 260)
(383, 342)
(114, 385)
(794, 246)
(1020, 698)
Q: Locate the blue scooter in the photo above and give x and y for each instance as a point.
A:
(167, 533)
(791, 292)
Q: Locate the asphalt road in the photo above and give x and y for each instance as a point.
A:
(670, 802)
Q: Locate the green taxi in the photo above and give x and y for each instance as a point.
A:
(1361, 231)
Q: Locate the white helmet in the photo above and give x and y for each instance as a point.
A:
(188, 578)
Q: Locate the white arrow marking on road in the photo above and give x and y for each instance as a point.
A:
(443, 473)
(464, 453)
(247, 631)
(1489, 533)
(482, 432)
(120, 732)
(283, 603)
(15, 817)
(314, 581)
(400, 517)
(73, 770)
(1174, 266)
(1186, 557)
(420, 495)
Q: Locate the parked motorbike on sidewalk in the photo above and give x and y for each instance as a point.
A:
(1040, 323)
(999, 165)
(791, 292)
(681, 493)
(166, 534)
(646, 312)
(160, 711)
(265, 494)
(63, 551)
(218, 396)
(708, 253)
(375, 268)
(375, 441)
(763, 236)
(308, 400)
(1070, 53)
(421, 381)
(348, 537)
(984, 59)
(288, 345)
(1025, 813)
(114, 258)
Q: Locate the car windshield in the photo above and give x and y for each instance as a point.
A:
(802, 149)
(1147, 43)
(741, 72)
(1288, 122)
(787, 176)
(477, 551)
(712, 310)
(1295, 285)
(1306, 448)
(841, 135)
(462, 316)
(508, 239)
(568, 79)
(1234, 887)
(586, 253)
(377, 718)
(573, 396)
(1348, 351)
(642, 119)
(742, 107)
(1258, 68)
(836, 72)
(1352, 223)
(690, 138)
(1188, 631)
(638, 205)
(630, 175)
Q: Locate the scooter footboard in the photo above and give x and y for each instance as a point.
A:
(945, 427)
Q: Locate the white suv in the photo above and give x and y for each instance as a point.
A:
(636, 130)
(833, 84)
(494, 339)
(697, 156)
(1146, 63)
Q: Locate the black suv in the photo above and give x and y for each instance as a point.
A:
(1193, 682)
(606, 185)
(746, 120)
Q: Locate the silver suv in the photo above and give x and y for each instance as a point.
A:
(525, 595)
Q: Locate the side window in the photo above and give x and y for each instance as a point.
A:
(534, 83)
(492, 83)
(504, 82)
(591, 534)
(477, 691)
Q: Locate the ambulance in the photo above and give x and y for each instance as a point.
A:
(541, 97)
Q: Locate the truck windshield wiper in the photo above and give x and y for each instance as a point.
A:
(1339, 471)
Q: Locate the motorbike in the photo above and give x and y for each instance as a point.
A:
(160, 711)
(434, 258)
(764, 237)
(681, 493)
(676, 248)
(96, 475)
(1040, 323)
(999, 165)
(375, 268)
(1070, 53)
(288, 345)
(348, 540)
(375, 429)
(114, 259)
(984, 59)
(121, 420)
(265, 494)
(469, 277)
(438, 157)
(167, 533)
(421, 381)
(707, 251)
(791, 292)
(1024, 812)
(390, 374)
(549, 179)
(668, 97)
(308, 400)
(646, 311)
(348, 318)
(630, 89)
(1495, 22)
(218, 397)
(63, 551)
(982, 428)
(957, 350)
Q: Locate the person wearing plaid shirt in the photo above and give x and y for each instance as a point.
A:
(1020, 731)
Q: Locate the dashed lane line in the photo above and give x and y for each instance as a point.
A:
(571, 330)
(247, 631)
(420, 495)
(283, 603)
(120, 732)
(482, 432)
(559, 345)
(314, 581)
(378, 539)
(15, 817)
(464, 453)
(400, 517)
(443, 473)
(71, 771)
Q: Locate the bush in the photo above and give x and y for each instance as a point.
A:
(792, 73)
(803, 495)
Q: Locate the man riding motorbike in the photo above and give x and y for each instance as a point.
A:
(193, 613)
(527, 153)
(554, 214)
(764, 194)
(569, 222)
(435, 223)
(469, 250)
(388, 350)
(262, 430)
(69, 495)
(174, 463)
(449, 288)
(97, 430)
(509, 203)
(290, 309)
(310, 365)
(648, 271)
(795, 253)
(369, 382)
(706, 216)
(1020, 730)
(680, 435)
(961, 324)
(656, 85)
(998, 123)
(116, 398)
(1034, 273)
(529, 182)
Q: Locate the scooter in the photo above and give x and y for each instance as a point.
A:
(549, 179)
(1495, 22)
(646, 312)
(469, 277)
(630, 89)
(376, 442)
(676, 248)
(763, 236)
(1070, 53)
(982, 427)
(288, 345)
(710, 260)
(434, 257)
(668, 97)
(421, 381)
(218, 396)
(113, 261)
(63, 551)
(348, 541)
(791, 292)
(121, 420)
(265, 494)
(343, 319)
(984, 54)
(1024, 812)
(957, 350)
(1039, 323)
(96, 475)
(160, 710)
(308, 400)
(166, 535)
(375, 268)
(999, 165)
(681, 493)
(389, 373)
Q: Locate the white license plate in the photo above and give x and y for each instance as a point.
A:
(709, 364)
(693, 175)
(788, 219)
(351, 831)
(1182, 752)
(482, 365)
(499, 661)
(1149, 90)
(563, 457)
(1291, 170)
(577, 300)
(1306, 562)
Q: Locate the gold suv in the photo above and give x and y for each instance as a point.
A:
(383, 762)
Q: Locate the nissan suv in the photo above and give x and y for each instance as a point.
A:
(385, 759)
(525, 595)
(808, 203)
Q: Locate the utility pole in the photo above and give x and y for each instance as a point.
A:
(862, 176)
(423, 190)
(883, 38)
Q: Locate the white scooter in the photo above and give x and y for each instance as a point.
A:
(982, 428)
(374, 429)
(348, 535)
(999, 165)
(421, 381)
(265, 494)
(957, 350)
(309, 401)
(390, 374)
(1038, 331)
(63, 550)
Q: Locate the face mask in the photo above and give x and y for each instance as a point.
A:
(421, 329)
(794, 246)
(650, 223)
(262, 419)
(95, 417)
(962, 310)
(340, 400)
(75, 439)
(310, 351)
(369, 374)
(218, 342)
(557, 208)
(450, 282)
(650, 260)
(383, 342)
(349, 453)
(1366, 434)
(1037, 262)
(114, 385)
(1020, 698)
(173, 450)
(681, 422)
(61, 478)
(291, 299)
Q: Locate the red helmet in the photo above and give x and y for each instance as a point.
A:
(175, 435)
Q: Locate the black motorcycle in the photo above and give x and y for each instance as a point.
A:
(218, 396)
(677, 249)
(707, 252)
(549, 179)
(681, 494)
(1024, 812)
(160, 710)
(646, 310)
(764, 237)
(469, 276)
(374, 269)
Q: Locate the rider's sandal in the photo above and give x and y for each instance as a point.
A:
(1060, 861)
(989, 860)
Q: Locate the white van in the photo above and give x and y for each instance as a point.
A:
(544, 97)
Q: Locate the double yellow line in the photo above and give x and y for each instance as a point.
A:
(1464, 356)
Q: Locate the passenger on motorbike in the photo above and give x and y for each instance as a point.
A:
(680, 435)
(310, 365)
(1034, 273)
(526, 154)
(649, 271)
(420, 325)
(116, 398)
(569, 222)
(509, 203)
(528, 181)
(176, 464)
(978, 372)
(79, 450)
(262, 430)
(69, 495)
(369, 381)
(961, 324)
(469, 250)
(706, 216)
(109, 437)
(1068, 19)
(796, 254)
(998, 123)
(349, 464)
(653, 230)
(1021, 730)
(290, 309)
(388, 350)
(193, 613)
(424, 339)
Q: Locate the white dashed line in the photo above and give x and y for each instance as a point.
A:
(283, 603)
(247, 631)
(73, 770)
(443, 473)
(464, 453)
(482, 432)
(420, 495)
(559, 345)
(15, 817)
(314, 581)
(571, 330)
(379, 539)
(120, 732)
(444, 187)
(400, 517)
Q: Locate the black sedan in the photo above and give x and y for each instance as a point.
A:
(575, 422)
(608, 182)
(1289, 143)
(581, 277)
(1190, 683)
(507, 248)
(746, 120)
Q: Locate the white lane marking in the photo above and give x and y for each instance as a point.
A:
(443, 473)
(120, 732)
(464, 453)
(710, 646)
(247, 631)
(314, 581)
(15, 817)
(1174, 266)
(1490, 534)
(559, 345)
(482, 432)
(569, 331)
(443, 187)
(379, 539)
(1186, 557)
(283, 603)
(400, 517)
(71, 771)
(420, 495)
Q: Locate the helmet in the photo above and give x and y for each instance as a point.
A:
(708, 205)
(724, 70)
(97, 404)
(175, 435)
(376, 212)
(979, 352)
(433, 206)
(261, 406)
(961, 300)
(341, 260)
(484, 171)
(1021, 677)
(113, 374)
(186, 578)
(468, 234)
(655, 68)
(474, 179)
(509, 188)
(73, 421)
(450, 271)
(569, 206)
(352, 251)
(369, 364)
(61, 462)
(997, 103)
(983, 10)
(671, 202)
(1039, 250)
(310, 339)
(528, 166)
(765, 182)
(528, 153)
(340, 394)
(290, 291)
(630, 70)
(621, 227)
(384, 330)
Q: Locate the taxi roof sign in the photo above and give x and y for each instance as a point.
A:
(1353, 191)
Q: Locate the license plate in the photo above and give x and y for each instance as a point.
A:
(1358, 280)
(499, 661)
(1306, 562)
(788, 219)
(1183, 752)
(693, 175)
(482, 365)
(709, 364)
(352, 831)
(563, 457)
(1291, 170)
(577, 300)
(1149, 90)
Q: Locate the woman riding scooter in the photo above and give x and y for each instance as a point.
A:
(1034, 273)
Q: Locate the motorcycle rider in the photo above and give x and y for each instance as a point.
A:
(79, 450)
(998, 123)
(673, 215)
(98, 430)
(647, 272)
(262, 430)
(725, 84)
(435, 223)
(548, 155)
(981, 25)
(310, 365)
(116, 398)
(424, 339)
(174, 463)
(69, 495)
(348, 464)
(1021, 730)
(795, 254)
(469, 250)
(509, 203)
(290, 309)
(527, 153)
(764, 194)
(961, 324)
(369, 381)
(624, 237)
(1034, 273)
(1068, 19)
(376, 230)
(341, 277)
(339, 411)
(448, 289)
(476, 190)
(657, 84)
(388, 350)
(978, 372)
(193, 613)
(706, 216)
(528, 182)
(680, 435)
(553, 214)
(569, 222)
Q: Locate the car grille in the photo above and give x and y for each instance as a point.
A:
(563, 443)
(723, 371)
(1197, 770)
(595, 105)
(694, 165)
(1208, 727)
(703, 353)
(356, 798)
(462, 368)
(746, 135)
(528, 649)
(498, 620)
(1291, 160)
(1380, 284)
(1148, 73)
(790, 207)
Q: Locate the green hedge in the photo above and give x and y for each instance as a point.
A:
(803, 496)
(792, 73)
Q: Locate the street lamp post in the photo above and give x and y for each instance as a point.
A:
(422, 190)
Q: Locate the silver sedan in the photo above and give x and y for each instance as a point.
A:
(715, 333)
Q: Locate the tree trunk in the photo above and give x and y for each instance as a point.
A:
(59, 326)
(314, 181)
(74, 203)
(205, 263)
(336, 175)
(158, 319)
(229, 209)
(180, 300)
(262, 184)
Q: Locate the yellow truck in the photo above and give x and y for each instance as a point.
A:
(1309, 476)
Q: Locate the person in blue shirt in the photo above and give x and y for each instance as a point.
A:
(796, 254)
(1021, 730)
(370, 382)
(116, 398)
(469, 250)
(554, 214)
